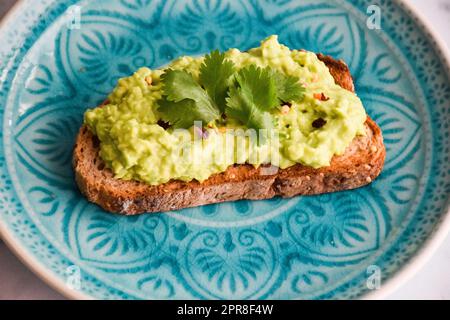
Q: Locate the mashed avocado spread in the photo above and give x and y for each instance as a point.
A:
(310, 120)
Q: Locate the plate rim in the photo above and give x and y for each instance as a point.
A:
(436, 240)
(26, 258)
(399, 278)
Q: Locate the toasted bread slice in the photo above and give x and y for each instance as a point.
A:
(358, 166)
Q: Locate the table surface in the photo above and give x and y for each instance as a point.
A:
(432, 282)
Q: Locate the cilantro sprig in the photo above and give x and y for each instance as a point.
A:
(248, 95)
(252, 96)
(185, 101)
(215, 76)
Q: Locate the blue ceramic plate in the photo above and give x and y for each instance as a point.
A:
(59, 57)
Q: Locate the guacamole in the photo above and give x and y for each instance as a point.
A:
(136, 145)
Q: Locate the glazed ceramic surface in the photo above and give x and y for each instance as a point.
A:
(58, 58)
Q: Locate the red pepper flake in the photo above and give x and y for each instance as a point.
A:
(222, 129)
(321, 96)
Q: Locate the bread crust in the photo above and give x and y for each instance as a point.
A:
(358, 166)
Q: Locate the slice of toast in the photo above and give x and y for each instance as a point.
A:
(358, 166)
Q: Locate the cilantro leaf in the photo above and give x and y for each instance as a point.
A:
(180, 85)
(184, 113)
(241, 106)
(215, 76)
(259, 86)
(288, 87)
(254, 94)
(185, 101)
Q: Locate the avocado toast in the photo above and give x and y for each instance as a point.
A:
(340, 147)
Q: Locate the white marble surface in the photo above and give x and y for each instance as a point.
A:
(432, 282)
